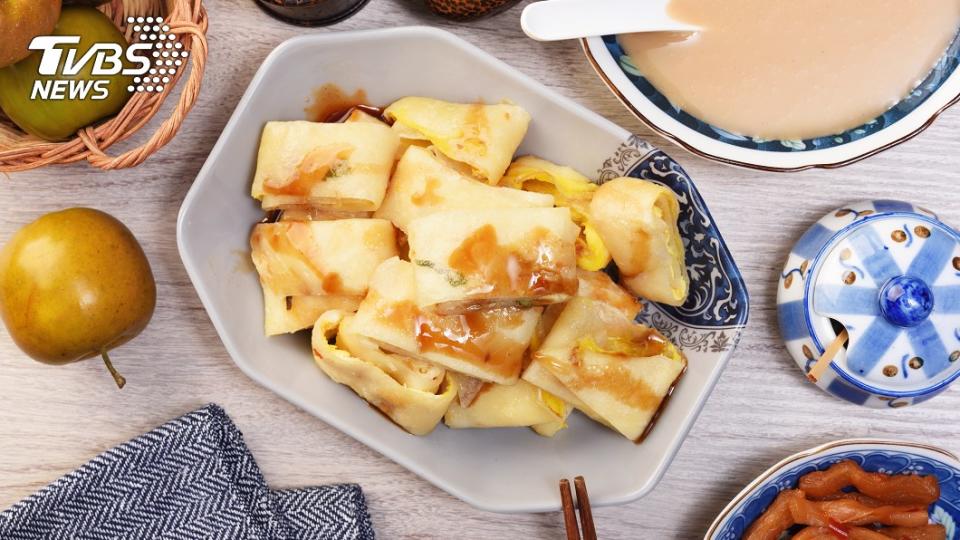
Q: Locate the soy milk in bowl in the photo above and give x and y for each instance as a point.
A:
(785, 76)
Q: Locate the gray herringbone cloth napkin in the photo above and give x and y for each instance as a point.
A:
(190, 478)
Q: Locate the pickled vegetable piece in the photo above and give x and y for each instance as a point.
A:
(888, 488)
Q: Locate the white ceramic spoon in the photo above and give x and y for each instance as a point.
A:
(551, 20)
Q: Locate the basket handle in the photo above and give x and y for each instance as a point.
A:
(165, 132)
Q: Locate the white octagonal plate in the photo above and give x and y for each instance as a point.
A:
(505, 470)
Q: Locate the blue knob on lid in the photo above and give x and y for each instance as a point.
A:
(906, 301)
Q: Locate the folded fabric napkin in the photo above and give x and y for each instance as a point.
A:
(190, 478)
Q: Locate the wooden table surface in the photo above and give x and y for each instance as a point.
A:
(53, 419)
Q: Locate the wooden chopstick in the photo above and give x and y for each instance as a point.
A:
(583, 505)
(586, 515)
(817, 370)
(569, 516)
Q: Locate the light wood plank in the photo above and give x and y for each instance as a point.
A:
(54, 419)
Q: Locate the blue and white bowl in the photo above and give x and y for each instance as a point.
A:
(888, 273)
(913, 114)
(891, 457)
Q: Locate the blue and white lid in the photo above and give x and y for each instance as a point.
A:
(889, 273)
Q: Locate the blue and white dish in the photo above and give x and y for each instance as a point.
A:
(889, 457)
(938, 91)
(889, 273)
(213, 237)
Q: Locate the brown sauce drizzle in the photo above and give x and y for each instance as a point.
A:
(474, 337)
(314, 168)
(330, 103)
(616, 381)
(458, 336)
(663, 405)
(508, 269)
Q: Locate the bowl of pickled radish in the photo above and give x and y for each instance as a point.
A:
(857, 489)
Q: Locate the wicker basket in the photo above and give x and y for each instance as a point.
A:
(187, 20)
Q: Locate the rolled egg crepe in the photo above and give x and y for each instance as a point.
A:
(410, 372)
(296, 258)
(487, 345)
(621, 370)
(479, 259)
(423, 184)
(569, 188)
(593, 285)
(515, 405)
(286, 314)
(637, 221)
(416, 411)
(345, 166)
(599, 286)
(484, 137)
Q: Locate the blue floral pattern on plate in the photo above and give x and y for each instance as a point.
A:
(718, 305)
(940, 73)
(899, 460)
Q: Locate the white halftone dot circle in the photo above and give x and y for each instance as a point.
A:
(178, 45)
(166, 80)
(159, 19)
(166, 28)
(139, 19)
(149, 19)
(136, 28)
(174, 54)
(153, 36)
(130, 89)
(156, 28)
(153, 70)
(150, 89)
(139, 89)
(156, 54)
(159, 89)
(131, 20)
(165, 54)
(143, 37)
(178, 62)
(184, 54)
(136, 79)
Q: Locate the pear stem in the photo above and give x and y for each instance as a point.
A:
(117, 377)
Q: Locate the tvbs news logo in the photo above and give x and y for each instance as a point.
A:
(154, 59)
